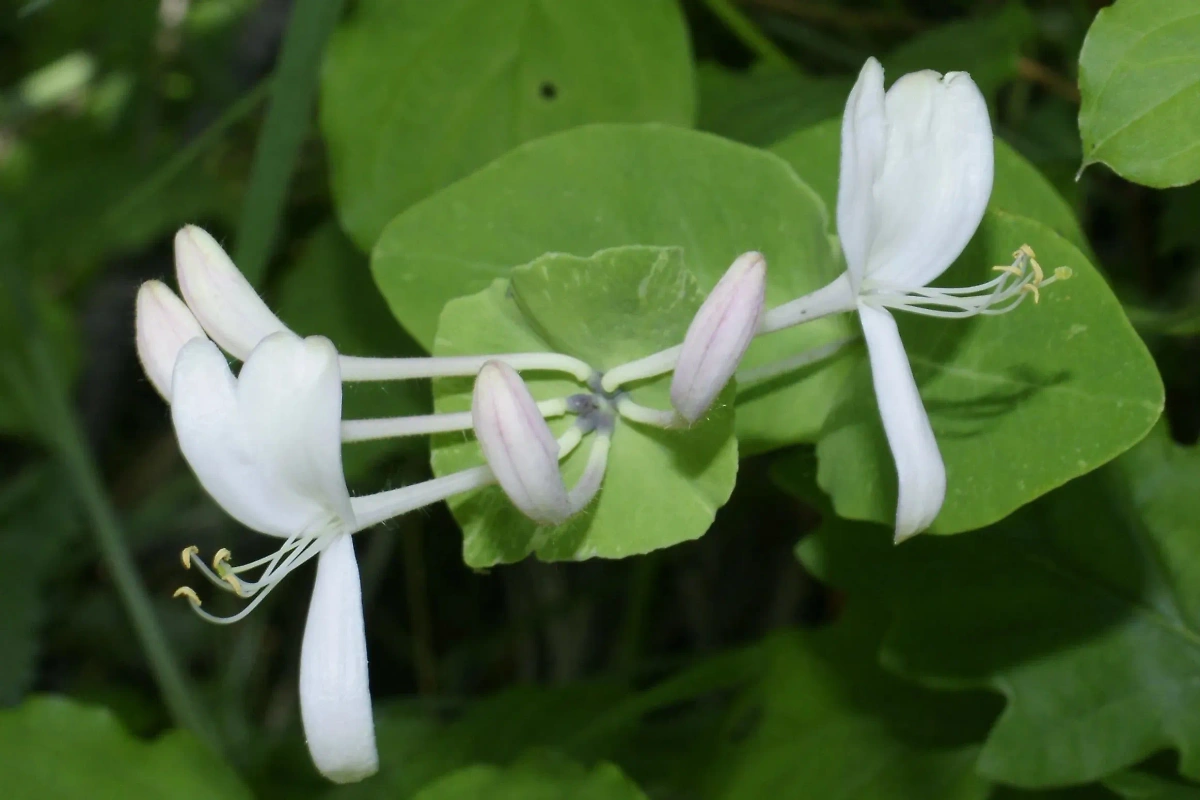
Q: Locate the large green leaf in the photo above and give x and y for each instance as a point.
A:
(54, 749)
(328, 291)
(1139, 77)
(1020, 402)
(416, 94)
(661, 487)
(606, 186)
(1018, 187)
(540, 778)
(830, 720)
(1082, 610)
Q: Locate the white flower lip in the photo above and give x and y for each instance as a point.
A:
(518, 444)
(719, 335)
(335, 695)
(163, 326)
(217, 292)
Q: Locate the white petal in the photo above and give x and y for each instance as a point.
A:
(227, 306)
(290, 398)
(518, 444)
(864, 130)
(164, 325)
(719, 335)
(225, 457)
(936, 178)
(919, 467)
(335, 697)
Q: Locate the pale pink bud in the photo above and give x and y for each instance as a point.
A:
(163, 326)
(719, 335)
(217, 292)
(518, 444)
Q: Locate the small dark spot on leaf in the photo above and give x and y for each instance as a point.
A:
(548, 90)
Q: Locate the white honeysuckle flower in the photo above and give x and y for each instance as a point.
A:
(163, 325)
(267, 447)
(718, 336)
(916, 174)
(522, 452)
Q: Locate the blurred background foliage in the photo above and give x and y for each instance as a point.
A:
(713, 669)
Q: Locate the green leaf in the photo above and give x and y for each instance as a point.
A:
(540, 779)
(1083, 611)
(328, 291)
(988, 47)
(1139, 78)
(629, 185)
(417, 748)
(1018, 187)
(661, 487)
(416, 95)
(1135, 785)
(53, 748)
(1020, 402)
(762, 105)
(833, 722)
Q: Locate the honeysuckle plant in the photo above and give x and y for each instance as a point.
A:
(916, 173)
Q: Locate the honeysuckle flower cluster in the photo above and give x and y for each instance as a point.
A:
(265, 443)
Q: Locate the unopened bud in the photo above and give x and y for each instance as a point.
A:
(719, 335)
(518, 444)
(217, 292)
(163, 326)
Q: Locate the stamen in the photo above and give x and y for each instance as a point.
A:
(1000, 295)
(220, 560)
(189, 593)
(186, 555)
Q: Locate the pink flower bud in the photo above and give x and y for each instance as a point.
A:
(719, 335)
(518, 444)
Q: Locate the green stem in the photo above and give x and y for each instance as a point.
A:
(65, 434)
(293, 91)
(748, 33)
(175, 166)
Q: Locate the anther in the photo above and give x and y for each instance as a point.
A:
(222, 556)
(1011, 269)
(189, 593)
(186, 557)
(233, 581)
(1032, 287)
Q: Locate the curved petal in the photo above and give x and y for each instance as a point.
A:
(219, 295)
(335, 696)
(919, 467)
(718, 336)
(518, 444)
(163, 326)
(290, 398)
(208, 423)
(864, 131)
(936, 177)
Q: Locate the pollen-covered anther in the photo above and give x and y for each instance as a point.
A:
(189, 593)
(1032, 287)
(186, 557)
(1011, 269)
(221, 559)
(233, 581)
